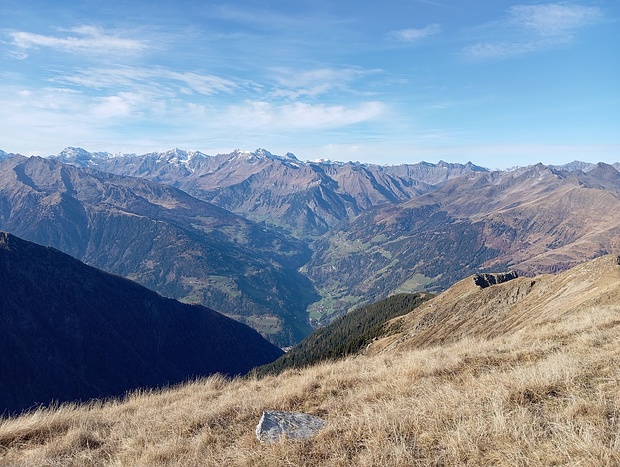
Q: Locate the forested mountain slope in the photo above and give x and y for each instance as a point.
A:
(346, 335)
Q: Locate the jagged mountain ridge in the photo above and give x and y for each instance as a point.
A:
(162, 238)
(70, 331)
(306, 198)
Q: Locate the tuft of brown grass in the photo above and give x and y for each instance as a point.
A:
(545, 392)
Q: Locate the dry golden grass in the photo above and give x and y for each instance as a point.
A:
(547, 393)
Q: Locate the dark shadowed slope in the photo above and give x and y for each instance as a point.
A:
(70, 331)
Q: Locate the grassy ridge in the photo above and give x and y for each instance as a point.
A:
(346, 335)
(548, 396)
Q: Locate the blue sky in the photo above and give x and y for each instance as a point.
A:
(500, 83)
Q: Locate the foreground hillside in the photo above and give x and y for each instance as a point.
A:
(541, 389)
(70, 331)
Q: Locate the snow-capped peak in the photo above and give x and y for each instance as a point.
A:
(80, 156)
(263, 153)
(174, 155)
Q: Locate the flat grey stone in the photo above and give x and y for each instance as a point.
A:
(273, 425)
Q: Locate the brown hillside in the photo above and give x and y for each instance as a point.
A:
(533, 220)
(538, 219)
(466, 310)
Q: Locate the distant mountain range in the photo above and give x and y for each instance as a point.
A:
(305, 198)
(162, 238)
(317, 239)
(70, 331)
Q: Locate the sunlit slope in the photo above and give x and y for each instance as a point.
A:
(466, 310)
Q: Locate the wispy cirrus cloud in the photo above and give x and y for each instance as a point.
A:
(83, 40)
(413, 34)
(530, 28)
(293, 84)
(300, 115)
(158, 80)
(122, 103)
(554, 19)
(489, 50)
(284, 83)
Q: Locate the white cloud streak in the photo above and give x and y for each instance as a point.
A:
(530, 28)
(123, 104)
(293, 84)
(85, 40)
(414, 35)
(299, 115)
(122, 119)
(157, 80)
(554, 19)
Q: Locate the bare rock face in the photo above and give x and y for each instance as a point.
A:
(274, 425)
(485, 280)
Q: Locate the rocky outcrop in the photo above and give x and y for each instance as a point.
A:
(487, 279)
(275, 425)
